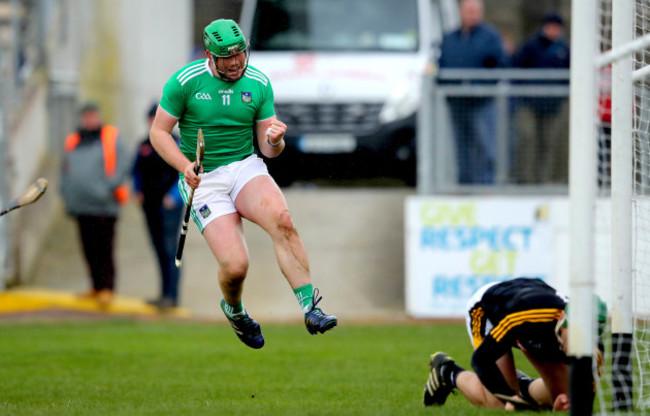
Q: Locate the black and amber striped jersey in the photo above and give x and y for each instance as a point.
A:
(520, 313)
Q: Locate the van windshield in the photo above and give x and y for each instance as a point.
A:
(335, 25)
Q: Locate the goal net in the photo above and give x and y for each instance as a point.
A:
(621, 252)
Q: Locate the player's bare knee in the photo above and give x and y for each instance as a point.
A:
(234, 272)
(284, 224)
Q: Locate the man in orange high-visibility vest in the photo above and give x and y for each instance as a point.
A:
(95, 167)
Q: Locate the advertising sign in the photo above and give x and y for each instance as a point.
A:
(456, 245)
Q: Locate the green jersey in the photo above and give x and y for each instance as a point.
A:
(225, 111)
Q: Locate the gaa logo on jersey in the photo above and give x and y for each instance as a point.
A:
(205, 211)
(246, 97)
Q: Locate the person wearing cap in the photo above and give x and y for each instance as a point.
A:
(231, 102)
(522, 313)
(94, 170)
(542, 122)
(156, 190)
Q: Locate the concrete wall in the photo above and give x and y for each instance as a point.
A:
(354, 240)
(155, 42)
(118, 53)
(134, 47)
(28, 159)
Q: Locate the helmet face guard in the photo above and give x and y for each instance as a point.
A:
(223, 39)
(222, 74)
(600, 314)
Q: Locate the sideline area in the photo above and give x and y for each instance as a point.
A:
(41, 299)
(354, 239)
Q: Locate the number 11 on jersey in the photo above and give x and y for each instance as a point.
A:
(225, 99)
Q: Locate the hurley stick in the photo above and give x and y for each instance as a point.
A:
(31, 195)
(200, 149)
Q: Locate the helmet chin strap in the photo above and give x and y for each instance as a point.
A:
(222, 74)
(226, 78)
(561, 323)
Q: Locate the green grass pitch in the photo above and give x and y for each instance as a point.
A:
(124, 367)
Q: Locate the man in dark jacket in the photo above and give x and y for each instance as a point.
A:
(156, 189)
(474, 45)
(95, 166)
(542, 150)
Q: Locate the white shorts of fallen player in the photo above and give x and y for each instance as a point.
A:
(216, 195)
(473, 303)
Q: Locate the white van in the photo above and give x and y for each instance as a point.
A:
(346, 76)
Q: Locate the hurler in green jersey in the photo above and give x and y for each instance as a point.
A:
(232, 103)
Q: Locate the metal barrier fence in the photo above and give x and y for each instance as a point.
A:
(22, 44)
(494, 131)
(22, 55)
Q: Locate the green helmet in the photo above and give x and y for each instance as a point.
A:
(600, 314)
(223, 38)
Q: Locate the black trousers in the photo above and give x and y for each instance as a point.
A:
(163, 226)
(97, 236)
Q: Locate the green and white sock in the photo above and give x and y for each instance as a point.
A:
(232, 311)
(304, 294)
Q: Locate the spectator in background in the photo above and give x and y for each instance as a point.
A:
(605, 127)
(542, 148)
(474, 45)
(95, 166)
(155, 186)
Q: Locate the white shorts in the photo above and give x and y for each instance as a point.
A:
(471, 304)
(218, 190)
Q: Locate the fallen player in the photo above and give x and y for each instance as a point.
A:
(523, 313)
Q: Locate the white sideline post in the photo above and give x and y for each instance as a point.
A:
(582, 195)
(622, 186)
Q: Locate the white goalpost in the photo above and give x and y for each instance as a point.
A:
(621, 195)
(610, 202)
(582, 199)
